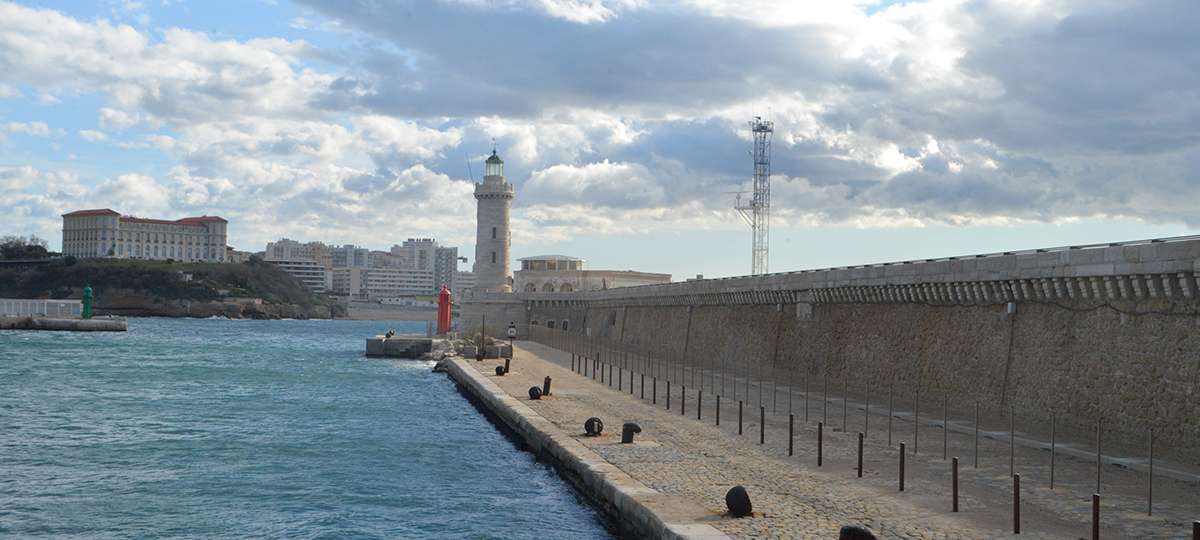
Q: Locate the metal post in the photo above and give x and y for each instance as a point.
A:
(901, 466)
(976, 434)
(718, 409)
(1098, 431)
(945, 427)
(739, 417)
(791, 433)
(1095, 516)
(820, 442)
(620, 378)
(762, 424)
(825, 400)
(1016, 504)
(954, 482)
(683, 401)
(860, 454)
(643, 386)
(891, 408)
(916, 415)
(654, 392)
(1053, 444)
(668, 394)
(700, 399)
(1150, 485)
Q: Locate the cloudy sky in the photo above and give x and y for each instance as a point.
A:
(902, 129)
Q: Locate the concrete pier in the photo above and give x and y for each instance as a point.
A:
(114, 324)
(399, 346)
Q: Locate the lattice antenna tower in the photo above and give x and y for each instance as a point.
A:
(757, 210)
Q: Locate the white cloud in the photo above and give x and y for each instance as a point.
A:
(115, 119)
(92, 135)
(35, 129)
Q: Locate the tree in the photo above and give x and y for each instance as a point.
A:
(20, 248)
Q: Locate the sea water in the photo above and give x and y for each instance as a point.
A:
(238, 428)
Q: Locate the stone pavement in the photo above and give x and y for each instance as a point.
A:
(792, 498)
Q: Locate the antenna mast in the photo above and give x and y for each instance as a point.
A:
(757, 211)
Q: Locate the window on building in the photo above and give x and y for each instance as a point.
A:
(493, 257)
(548, 287)
(529, 287)
(493, 233)
(565, 325)
(549, 324)
(533, 323)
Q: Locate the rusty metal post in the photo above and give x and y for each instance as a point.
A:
(860, 454)
(954, 483)
(791, 433)
(820, 442)
(1016, 504)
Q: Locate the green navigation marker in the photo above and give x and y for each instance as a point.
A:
(87, 302)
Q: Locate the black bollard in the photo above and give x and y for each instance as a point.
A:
(546, 386)
(593, 427)
(1017, 503)
(1095, 516)
(627, 432)
(820, 443)
(683, 402)
(499, 371)
(718, 409)
(738, 502)
(739, 417)
(572, 362)
(699, 402)
(901, 466)
(954, 482)
(654, 391)
(643, 386)
(668, 395)
(535, 393)
(791, 436)
(860, 454)
(506, 364)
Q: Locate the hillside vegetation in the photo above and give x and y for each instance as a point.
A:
(116, 281)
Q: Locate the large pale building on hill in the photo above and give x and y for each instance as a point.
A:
(105, 233)
(560, 273)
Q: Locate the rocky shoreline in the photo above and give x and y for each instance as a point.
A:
(136, 305)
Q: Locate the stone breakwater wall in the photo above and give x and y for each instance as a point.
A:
(1106, 333)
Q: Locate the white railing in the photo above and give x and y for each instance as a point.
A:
(55, 309)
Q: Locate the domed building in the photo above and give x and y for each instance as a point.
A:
(562, 273)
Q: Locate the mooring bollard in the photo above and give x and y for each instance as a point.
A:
(739, 417)
(499, 371)
(1095, 516)
(1016, 504)
(762, 424)
(593, 427)
(820, 442)
(954, 483)
(860, 454)
(791, 435)
(738, 502)
(546, 386)
(901, 466)
(506, 364)
(627, 431)
(535, 393)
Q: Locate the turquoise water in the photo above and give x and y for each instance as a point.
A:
(217, 428)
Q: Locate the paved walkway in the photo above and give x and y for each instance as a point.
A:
(698, 461)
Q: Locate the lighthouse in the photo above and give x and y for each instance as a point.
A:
(492, 237)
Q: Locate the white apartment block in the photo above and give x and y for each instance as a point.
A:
(378, 284)
(314, 275)
(286, 249)
(105, 233)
